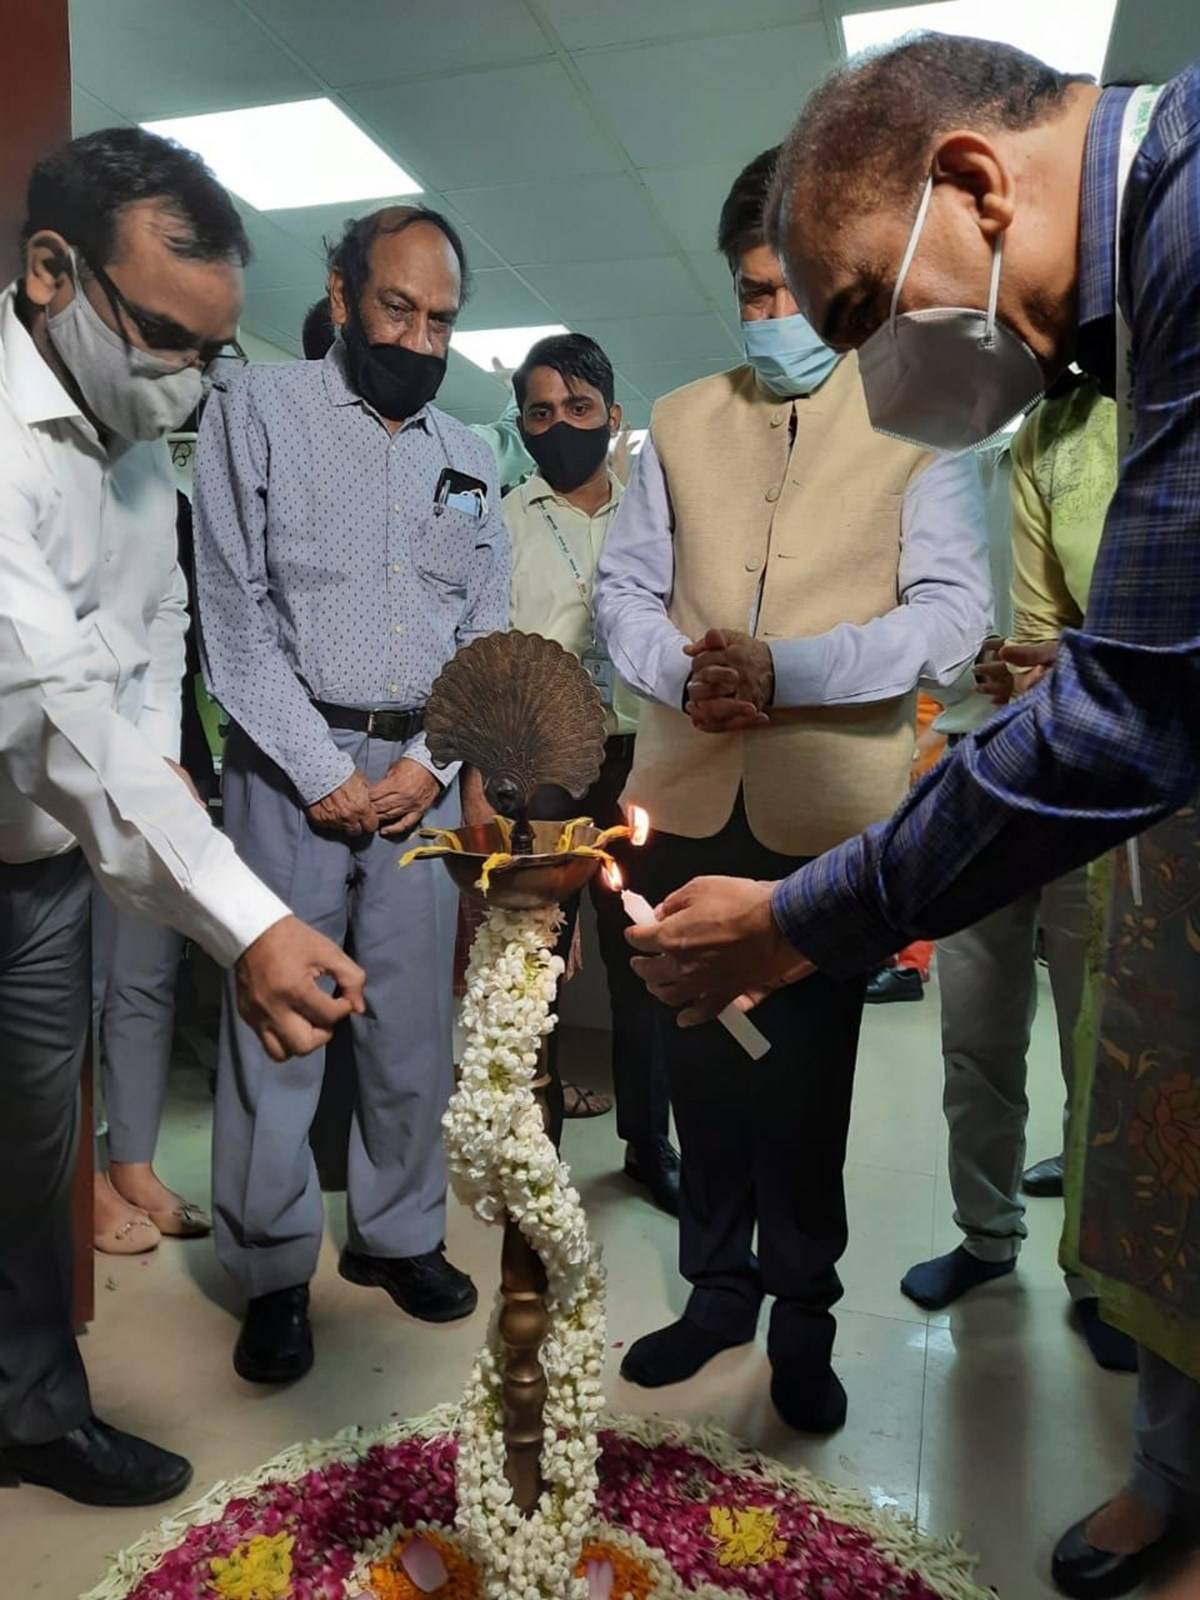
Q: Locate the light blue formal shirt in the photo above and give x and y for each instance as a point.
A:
(323, 569)
(944, 595)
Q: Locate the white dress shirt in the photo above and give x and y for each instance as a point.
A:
(943, 584)
(93, 613)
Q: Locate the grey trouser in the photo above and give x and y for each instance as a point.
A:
(1166, 1464)
(401, 926)
(44, 1010)
(988, 980)
(134, 967)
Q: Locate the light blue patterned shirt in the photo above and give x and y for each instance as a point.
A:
(322, 571)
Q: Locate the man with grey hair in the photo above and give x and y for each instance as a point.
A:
(972, 221)
(349, 541)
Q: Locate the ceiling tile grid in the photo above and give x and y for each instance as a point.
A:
(583, 146)
(491, 127)
(582, 24)
(390, 41)
(694, 100)
(171, 58)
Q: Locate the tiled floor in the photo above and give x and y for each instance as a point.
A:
(990, 1421)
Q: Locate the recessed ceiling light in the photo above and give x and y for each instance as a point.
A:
(508, 346)
(302, 153)
(1072, 37)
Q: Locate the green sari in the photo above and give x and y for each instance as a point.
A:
(1133, 1168)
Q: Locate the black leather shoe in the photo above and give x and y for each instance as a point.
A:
(1085, 1573)
(425, 1286)
(655, 1165)
(99, 1466)
(890, 984)
(1044, 1180)
(275, 1344)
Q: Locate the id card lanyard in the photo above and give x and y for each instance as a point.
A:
(1134, 125)
(594, 659)
(568, 555)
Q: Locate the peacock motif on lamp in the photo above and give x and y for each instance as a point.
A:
(521, 710)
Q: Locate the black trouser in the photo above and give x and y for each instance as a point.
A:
(762, 1142)
(638, 1070)
(45, 1009)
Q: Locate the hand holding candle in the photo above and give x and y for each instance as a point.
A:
(713, 944)
(641, 913)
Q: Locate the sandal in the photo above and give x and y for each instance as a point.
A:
(579, 1103)
(118, 1228)
(134, 1237)
(184, 1221)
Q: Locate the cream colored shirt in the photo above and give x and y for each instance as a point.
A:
(555, 551)
(92, 621)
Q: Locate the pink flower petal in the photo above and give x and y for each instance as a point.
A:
(424, 1565)
(600, 1577)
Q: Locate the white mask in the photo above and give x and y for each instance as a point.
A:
(947, 378)
(135, 394)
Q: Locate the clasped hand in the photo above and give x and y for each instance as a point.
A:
(998, 661)
(393, 806)
(732, 682)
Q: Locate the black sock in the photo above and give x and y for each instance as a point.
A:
(937, 1283)
(810, 1402)
(673, 1354)
(1111, 1349)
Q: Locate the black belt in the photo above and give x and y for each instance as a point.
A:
(394, 726)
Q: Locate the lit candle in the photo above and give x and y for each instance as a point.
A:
(637, 908)
(738, 1025)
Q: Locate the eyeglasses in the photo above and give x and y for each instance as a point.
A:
(164, 333)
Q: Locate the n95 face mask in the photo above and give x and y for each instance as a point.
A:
(949, 377)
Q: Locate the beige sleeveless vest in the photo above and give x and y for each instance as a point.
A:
(818, 523)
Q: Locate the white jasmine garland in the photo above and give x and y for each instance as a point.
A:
(501, 1161)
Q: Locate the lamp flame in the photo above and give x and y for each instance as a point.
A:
(612, 877)
(639, 824)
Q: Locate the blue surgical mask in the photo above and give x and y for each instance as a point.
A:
(787, 355)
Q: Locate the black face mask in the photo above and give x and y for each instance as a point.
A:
(396, 381)
(567, 456)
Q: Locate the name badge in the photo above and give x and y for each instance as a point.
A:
(601, 671)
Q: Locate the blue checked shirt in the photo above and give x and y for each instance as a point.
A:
(322, 569)
(1110, 741)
